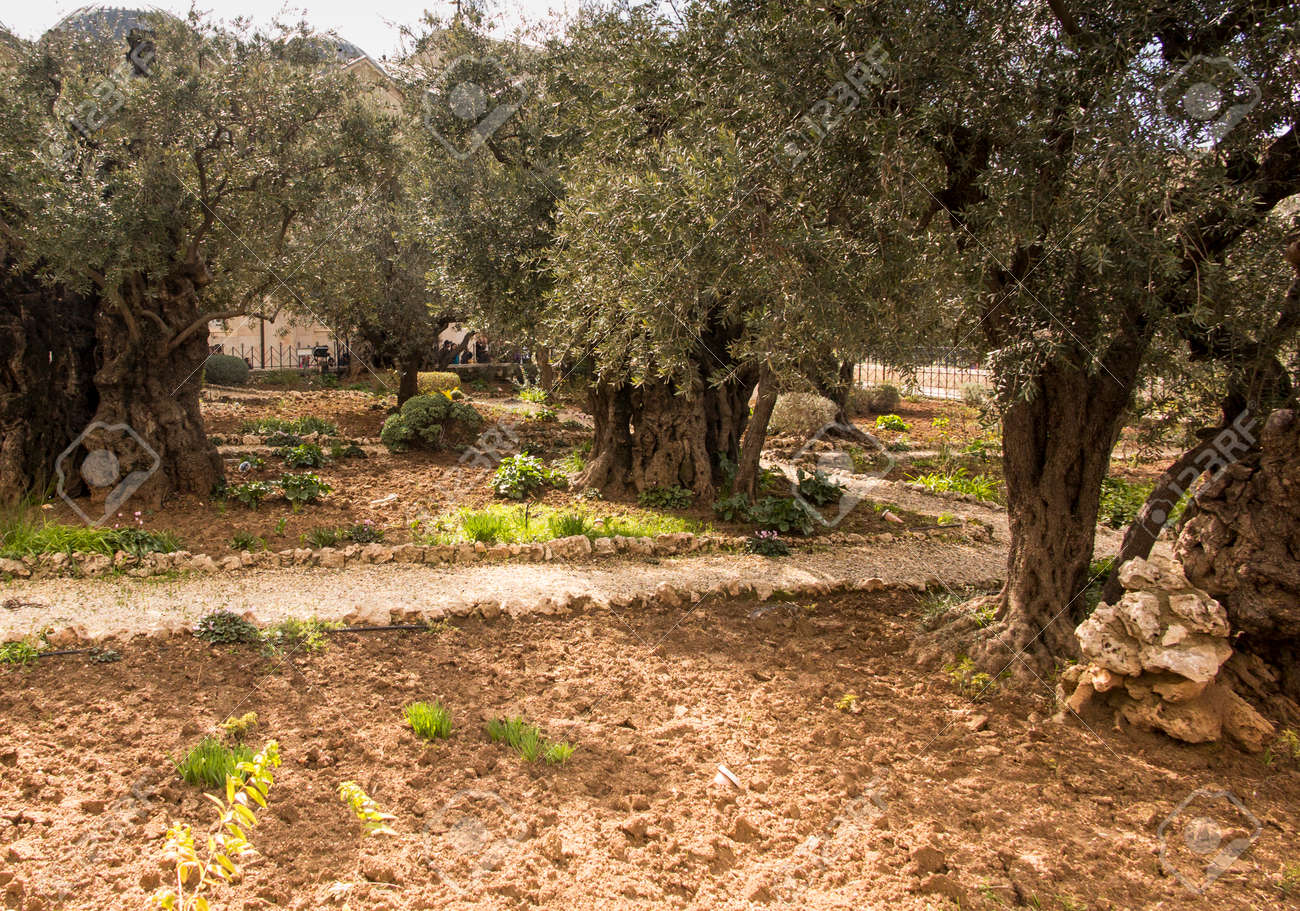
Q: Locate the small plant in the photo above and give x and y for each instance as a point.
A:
(227, 845)
(302, 488)
(246, 540)
(818, 488)
(782, 514)
(281, 439)
(974, 395)
(767, 544)
(223, 627)
(520, 476)
(801, 414)
(526, 740)
(543, 415)
(18, 653)
(947, 518)
(348, 450)
(236, 730)
(974, 685)
(304, 455)
(666, 498)
(364, 533)
(847, 703)
(732, 508)
(535, 395)
(429, 721)
(210, 762)
(300, 426)
(487, 526)
(1289, 882)
(892, 422)
(979, 486)
(1286, 747)
(321, 537)
(250, 493)
(568, 524)
(294, 633)
(374, 821)
(280, 525)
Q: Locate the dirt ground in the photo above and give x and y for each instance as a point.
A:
(915, 797)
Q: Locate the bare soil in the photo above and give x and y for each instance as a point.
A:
(910, 800)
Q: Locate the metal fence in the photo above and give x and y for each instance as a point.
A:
(274, 357)
(934, 373)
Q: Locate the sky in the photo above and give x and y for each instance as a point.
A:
(371, 24)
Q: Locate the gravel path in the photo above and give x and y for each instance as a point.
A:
(126, 605)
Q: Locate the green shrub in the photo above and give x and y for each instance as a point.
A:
(873, 399)
(223, 627)
(291, 633)
(283, 378)
(666, 497)
(250, 493)
(974, 395)
(225, 370)
(568, 524)
(801, 414)
(732, 508)
(767, 544)
(543, 415)
(782, 514)
(364, 533)
(283, 439)
(1121, 501)
(246, 540)
(429, 721)
(437, 381)
(818, 488)
(520, 476)
(321, 537)
(892, 422)
(298, 426)
(427, 422)
(302, 488)
(305, 455)
(209, 763)
(347, 450)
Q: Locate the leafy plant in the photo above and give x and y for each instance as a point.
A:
(527, 740)
(210, 762)
(974, 684)
(782, 514)
(302, 488)
(246, 540)
(237, 730)
(732, 508)
(224, 847)
(979, 486)
(767, 544)
(374, 821)
(364, 533)
(321, 537)
(293, 632)
(666, 498)
(299, 425)
(818, 488)
(250, 493)
(1287, 746)
(558, 753)
(533, 394)
(429, 721)
(223, 627)
(348, 450)
(18, 653)
(892, 422)
(281, 439)
(568, 524)
(847, 703)
(543, 415)
(304, 455)
(520, 476)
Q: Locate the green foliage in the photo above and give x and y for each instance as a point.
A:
(437, 381)
(211, 762)
(1122, 500)
(321, 537)
(374, 821)
(22, 536)
(666, 497)
(974, 395)
(302, 488)
(732, 508)
(527, 740)
(293, 633)
(236, 730)
(224, 627)
(428, 422)
(520, 476)
(534, 394)
(486, 526)
(225, 370)
(18, 653)
(250, 493)
(543, 415)
(281, 439)
(982, 487)
(818, 488)
(1286, 748)
(346, 450)
(801, 414)
(568, 524)
(974, 684)
(783, 514)
(249, 783)
(305, 455)
(246, 540)
(892, 422)
(298, 427)
(364, 533)
(767, 544)
(429, 721)
(572, 462)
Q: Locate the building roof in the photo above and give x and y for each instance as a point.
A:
(106, 21)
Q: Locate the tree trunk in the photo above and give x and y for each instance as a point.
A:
(149, 402)
(611, 453)
(408, 384)
(751, 444)
(1056, 450)
(47, 393)
(545, 371)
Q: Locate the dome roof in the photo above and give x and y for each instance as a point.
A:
(105, 21)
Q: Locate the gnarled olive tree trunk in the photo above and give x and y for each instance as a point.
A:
(47, 397)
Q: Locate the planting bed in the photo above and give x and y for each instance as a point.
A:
(908, 796)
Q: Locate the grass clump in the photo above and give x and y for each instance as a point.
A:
(210, 762)
(429, 720)
(979, 486)
(22, 536)
(246, 540)
(666, 497)
(298, 426)
(18, 653)
(892, 422)
(309, 634)
(568, 524)
(527, 740)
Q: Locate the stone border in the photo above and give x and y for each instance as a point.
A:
(566, 604)
(575, 548)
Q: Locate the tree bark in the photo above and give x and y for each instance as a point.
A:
(47, 395)
(751, 443)
(1056, 450)
(408, 383)
(611, 453)
(545, 371)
